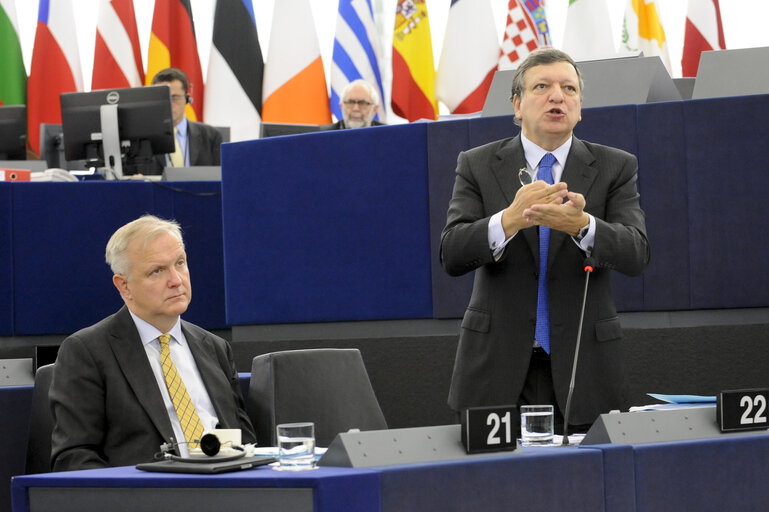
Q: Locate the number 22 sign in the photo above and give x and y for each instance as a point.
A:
(743, 409)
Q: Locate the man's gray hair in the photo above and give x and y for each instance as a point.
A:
(541, 57)
(147, 227)
(372, 92)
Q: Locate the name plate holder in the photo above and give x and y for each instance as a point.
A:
(742, 410)
(490, 429)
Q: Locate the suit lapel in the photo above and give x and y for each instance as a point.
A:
(210, 372)
(579, 176)
(129, 351)
(193, 142)
(510, 160)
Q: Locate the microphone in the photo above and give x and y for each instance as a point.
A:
(589, 264)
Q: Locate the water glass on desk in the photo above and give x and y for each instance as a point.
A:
(536, 425)
(296, 446)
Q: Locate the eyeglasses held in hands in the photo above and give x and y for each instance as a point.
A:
(524, 176)
(360, 103)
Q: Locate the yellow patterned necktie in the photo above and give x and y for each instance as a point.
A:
(185, 410)
(177, 160)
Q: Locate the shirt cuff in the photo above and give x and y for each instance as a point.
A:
(496, 235)
(587, 243)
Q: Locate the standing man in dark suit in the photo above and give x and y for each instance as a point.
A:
(198, 143)
(110, 394)
(359, 105)
(510, 350)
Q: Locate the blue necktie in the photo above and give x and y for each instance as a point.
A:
(542, 330)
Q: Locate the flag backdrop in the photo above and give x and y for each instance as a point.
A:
(13, 76)
(294, 79)
(55, 66)
(588, 32)
(642, 31)
(235, 69)
(469, 56)
(704, 32)
(117, 60)
(413, 85)
(526, 30)
(173, 44)
(356, 52)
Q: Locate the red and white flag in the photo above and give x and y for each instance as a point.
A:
(117, 60)
(55, 66)
(469, 56)
(526, 30)
(704, 32)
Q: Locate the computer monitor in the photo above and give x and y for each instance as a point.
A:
(13, 132)
(276, 129)
(119, 130)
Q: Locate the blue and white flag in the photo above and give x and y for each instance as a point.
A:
(356, 52)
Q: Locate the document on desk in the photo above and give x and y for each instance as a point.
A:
(676, 402)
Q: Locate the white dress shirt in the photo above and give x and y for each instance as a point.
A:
(533, 154)
(188, 371)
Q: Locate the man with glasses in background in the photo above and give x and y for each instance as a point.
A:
(196, 143)
(359, 105)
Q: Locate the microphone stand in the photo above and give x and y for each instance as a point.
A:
(588, 269)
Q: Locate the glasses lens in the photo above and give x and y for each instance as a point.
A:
(360, 103)
(524, 177)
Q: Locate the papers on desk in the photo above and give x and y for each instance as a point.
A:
(676, 402)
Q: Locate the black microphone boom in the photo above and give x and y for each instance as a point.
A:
(589, 264)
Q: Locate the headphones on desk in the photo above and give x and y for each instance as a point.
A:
(209, 445)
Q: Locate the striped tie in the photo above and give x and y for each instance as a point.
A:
(185, 410)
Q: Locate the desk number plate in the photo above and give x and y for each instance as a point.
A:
(490, 429)
(743, 409)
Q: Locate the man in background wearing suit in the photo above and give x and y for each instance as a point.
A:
(198, 143)
(509, 351)
(110, 391)
(359, 105)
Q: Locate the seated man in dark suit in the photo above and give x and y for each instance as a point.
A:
(196, 143)
(359, 106)
(110, 394)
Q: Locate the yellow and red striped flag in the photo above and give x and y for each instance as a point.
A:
(173, 44)
(294, 85)
(413, 86)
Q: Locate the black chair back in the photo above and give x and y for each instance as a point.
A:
(329, 387)
(40, 424)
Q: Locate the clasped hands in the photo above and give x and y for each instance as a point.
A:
(540, 204)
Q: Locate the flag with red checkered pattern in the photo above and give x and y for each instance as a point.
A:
(526, 30)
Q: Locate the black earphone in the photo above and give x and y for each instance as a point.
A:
(209, 445)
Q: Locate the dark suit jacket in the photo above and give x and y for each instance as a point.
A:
(204, 146)
(497, 333)
(107, 408)
(339, 125)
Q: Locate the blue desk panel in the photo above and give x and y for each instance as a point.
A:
(328, 227)
(6, 262)
(539, 480)
(61, 282)
(334, 489)
(720, 474)
(727, 176)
